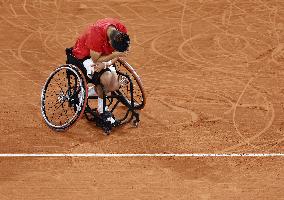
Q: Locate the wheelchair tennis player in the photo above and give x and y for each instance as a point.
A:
(98, 48)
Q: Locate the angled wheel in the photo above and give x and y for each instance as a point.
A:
(131, 85)
(64, 97)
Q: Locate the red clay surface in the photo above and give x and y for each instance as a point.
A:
(214, 78)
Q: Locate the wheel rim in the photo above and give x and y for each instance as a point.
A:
(63, 99)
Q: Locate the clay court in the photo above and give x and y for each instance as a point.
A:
(213, 72)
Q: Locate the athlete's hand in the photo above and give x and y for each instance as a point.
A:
(98, 67)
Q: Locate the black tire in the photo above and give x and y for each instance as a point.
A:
(63, 102)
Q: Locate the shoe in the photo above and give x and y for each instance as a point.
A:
(111, 120)
(107, 117)
(100, 110)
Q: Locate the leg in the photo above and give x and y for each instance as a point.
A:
(106, 82)
(109, 81)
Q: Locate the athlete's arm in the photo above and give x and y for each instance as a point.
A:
(102, 62)
(98, 58)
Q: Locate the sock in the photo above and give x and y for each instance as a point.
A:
(92, 91)
(100, 105)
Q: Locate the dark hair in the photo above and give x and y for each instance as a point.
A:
(119, 41)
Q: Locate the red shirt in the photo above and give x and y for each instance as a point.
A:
(95, 38)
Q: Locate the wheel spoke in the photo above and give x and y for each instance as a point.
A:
(64, 86)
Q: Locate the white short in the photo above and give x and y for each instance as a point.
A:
(88, 65)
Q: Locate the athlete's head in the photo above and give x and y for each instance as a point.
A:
(119, 41)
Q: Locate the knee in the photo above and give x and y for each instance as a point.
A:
(110, 81)
(114, 82)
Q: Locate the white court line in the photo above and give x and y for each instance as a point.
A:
(146, 155)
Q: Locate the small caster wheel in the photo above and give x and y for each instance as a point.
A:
(106, 131)
(135, 123)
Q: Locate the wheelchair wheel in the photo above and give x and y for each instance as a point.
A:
(64, 97)
(127, 90)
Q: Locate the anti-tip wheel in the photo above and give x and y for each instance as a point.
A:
(135, 123)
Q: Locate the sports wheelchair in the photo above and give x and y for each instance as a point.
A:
(64, 97)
